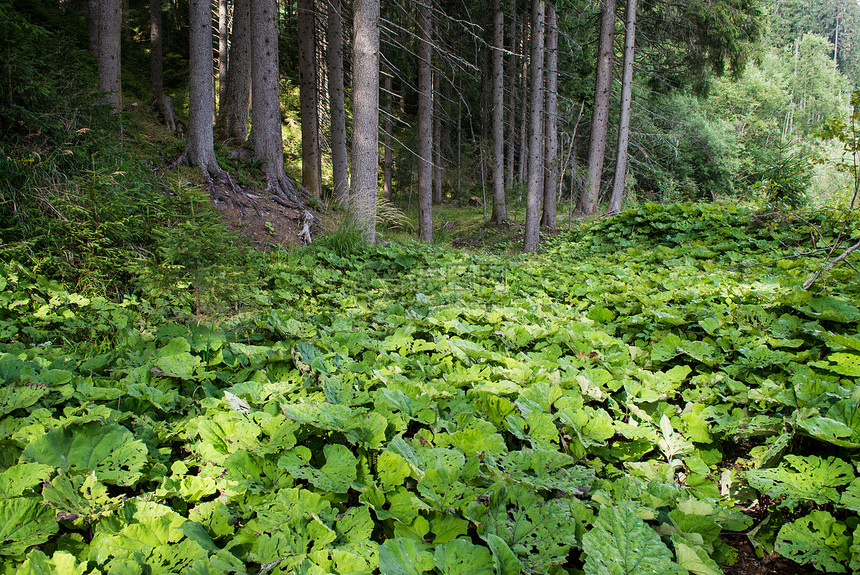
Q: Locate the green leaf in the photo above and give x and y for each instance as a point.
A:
(817, 539)
(666, 349)
(337, 473)
(801, 479)
(175, 361)
(402, 556)
(461, 557)
(620, 543)
(843, 364)
(61, 563)
(694, 559)
(111, 451)
(16, 480)
(24, 522)
(19, 396)
(80, 499)
(505, 560)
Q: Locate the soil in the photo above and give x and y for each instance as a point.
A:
(749, 563)
(267, 220)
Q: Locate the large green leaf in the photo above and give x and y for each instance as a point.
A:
(817, 539)
(19, 396)
(24, 522)
(404, 557)
(461, 557)
(16, 480)
(621, 543)
(336, 475)
(840, 425)
(803, 479)
(62, 563)
(111, 451)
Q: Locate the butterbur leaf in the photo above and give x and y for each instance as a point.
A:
(402, 556)
(850, 498)
(620, 543)
(461, 557)
(800, 479)
(666, 349)
(335, 476)
(671, 443)
(505, 560)
(817, 539)
(843, 364)
(109, 450)
(694, 559)
(175, 361)
(19, 478)
(79, 498)
(24, 522)
(14, 397)
(61, 563)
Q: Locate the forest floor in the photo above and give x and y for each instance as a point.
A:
(255, 215)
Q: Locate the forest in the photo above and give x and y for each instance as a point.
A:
(443, 287)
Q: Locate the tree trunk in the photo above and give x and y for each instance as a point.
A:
(199, 145)
(425, 119)
(93, 8)
(600, 113)
(365, 114)
(388, 126)
(524, 107)
(437, 140)
(624, 117)
(233, 115)
(223, 44)
(499, 215)
(339, 160)
(308, 98)
(156, 71)
(550, 183)
(511, 108)
(265, 99)
(110, 30)
(535, 173)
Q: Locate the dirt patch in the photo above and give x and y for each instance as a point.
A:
(749, 563)
(267, 220)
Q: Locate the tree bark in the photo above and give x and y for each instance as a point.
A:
(535, 173)
(93, 9)
(512, 100)
(265, 101)
(199, 144)
(499, 215)
(524, 107)
(308, 98)
(110, 31)
(388, 126)
(156, 70)
(223, 45)
(600, 113)
(425, 113)
(233, 115)
(365, 113)
(339, 159)
(437, 140)
(620, 177)
(550, 183)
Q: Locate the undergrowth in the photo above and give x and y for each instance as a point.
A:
(650, 383)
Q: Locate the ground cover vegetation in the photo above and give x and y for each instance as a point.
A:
(650, 384)
(671, 389)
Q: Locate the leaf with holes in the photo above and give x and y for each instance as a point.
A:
(621, 543)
